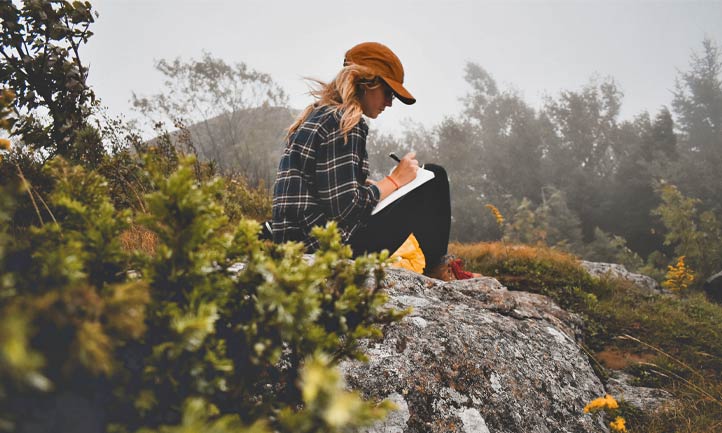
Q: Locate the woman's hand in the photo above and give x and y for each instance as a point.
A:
(402, 174)
(405, 171)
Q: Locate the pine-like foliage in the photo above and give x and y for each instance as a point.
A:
(694, 235)
(217, 331)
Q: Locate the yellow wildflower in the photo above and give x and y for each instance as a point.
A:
(611, 402)
(499, 217)
(618, 425)
(606, 402)
(4, 144)
(678, 277)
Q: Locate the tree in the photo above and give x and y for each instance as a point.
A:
(509, 142)
(585, 124)
(525, 226)
(483, 89)
(694, 235)
(40, 45)
(236, 115)
(458, 151)
(661, 142)
(499, 159)
(698, 106)
(650, 149)
(563, 227)
(698, 100)
(582, 152)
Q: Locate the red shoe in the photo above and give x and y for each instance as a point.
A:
(450, 269)
(459, 272)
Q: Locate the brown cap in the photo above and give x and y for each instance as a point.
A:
(382, 62)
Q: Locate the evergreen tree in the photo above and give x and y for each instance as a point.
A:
(661, 143)
(563, 227)
(698, 106)
(693, 234)
(650, 148)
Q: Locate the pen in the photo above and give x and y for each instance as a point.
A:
(394, 157)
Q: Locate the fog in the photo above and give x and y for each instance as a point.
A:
(535, 47)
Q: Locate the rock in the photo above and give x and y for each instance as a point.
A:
(598, 269)
(646, 399)
(713, 287)
(396, 421)
(475, 357)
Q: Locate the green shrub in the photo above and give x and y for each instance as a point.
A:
(534, 269)
(186, 339)
(696, 236)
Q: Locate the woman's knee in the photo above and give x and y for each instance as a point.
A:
(438, 170)
(440, 175)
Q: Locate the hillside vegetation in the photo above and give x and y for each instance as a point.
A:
(135, 292)
(123, 306)
(676, 336)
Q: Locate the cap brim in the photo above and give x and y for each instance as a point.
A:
(401, 93)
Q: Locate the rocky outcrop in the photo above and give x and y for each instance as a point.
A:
(475, 357)
(713, 287)
(648, 400)
(598, 269)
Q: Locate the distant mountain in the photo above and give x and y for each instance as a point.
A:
(247, 141)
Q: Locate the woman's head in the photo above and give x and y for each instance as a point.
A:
(383, 63)
(371, 77)
(374, 96)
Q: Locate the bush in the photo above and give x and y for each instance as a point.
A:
(696, 236)
(534, 269)
(214, 331)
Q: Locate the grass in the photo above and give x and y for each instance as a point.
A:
(668, 341)
(138, 238)
(532, 269)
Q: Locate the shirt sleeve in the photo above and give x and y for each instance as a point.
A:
(340, 176)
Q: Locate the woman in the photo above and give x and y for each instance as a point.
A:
(323, 174)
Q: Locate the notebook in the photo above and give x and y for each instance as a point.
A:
(422, 176)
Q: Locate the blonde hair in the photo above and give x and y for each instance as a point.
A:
(342, 94)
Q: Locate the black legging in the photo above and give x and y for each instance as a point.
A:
(425, 212)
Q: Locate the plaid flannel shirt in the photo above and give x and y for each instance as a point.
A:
(320, 178)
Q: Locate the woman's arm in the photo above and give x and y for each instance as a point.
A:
(402, 174)
(345, 197)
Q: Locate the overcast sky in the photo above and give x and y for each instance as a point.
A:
(536, 47)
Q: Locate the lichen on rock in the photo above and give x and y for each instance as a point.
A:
(476, 357)
(614, 270)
